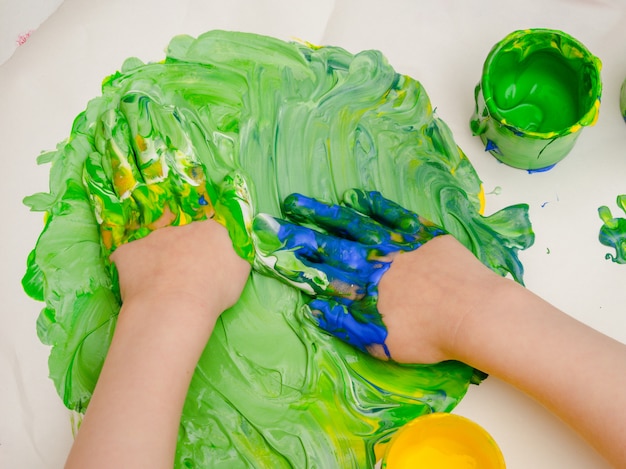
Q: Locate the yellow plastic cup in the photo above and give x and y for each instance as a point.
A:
(442, 441)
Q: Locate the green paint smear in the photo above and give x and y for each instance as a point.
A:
(271, 389)
(613, 231)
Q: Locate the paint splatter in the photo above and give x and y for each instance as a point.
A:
(290, 118)
(22, 38)
(613, 232)
(544, 204)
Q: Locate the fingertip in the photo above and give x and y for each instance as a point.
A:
(352, 198)
(317, 307)
(364, 202)
(319, 311)
(262, 221)
(384, 210)
(302, 209)
(292, 202)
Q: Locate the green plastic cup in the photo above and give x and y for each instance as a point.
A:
(539, 88)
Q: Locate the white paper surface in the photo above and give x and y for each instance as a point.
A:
(49, 80)
(19, 19)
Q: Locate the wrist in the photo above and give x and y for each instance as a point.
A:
(477, 318)
(426, 296)
(198, 268)
(169, 319)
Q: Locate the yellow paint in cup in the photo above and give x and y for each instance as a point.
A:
(442, 441)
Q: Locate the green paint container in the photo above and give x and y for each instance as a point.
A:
(538, 89)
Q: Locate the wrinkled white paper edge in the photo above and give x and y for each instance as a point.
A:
(19, 19)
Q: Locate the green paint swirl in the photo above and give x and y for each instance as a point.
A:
(271, 389)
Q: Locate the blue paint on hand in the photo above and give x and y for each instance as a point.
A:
(338, 254)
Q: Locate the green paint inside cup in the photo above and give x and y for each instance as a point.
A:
(539, 88)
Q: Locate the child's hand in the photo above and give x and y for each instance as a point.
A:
(343, 266)
(146, 174)
(192, 268)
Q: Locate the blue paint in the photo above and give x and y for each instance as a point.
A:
(541, 170)
(337, 319)
(491, 146)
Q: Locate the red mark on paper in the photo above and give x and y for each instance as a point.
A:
(22, 38)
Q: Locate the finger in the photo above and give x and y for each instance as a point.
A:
(172, 129)
(157, 206)
(153, 195)
(112, 215)
(112, 139)
(335, 219)
(272, 258)
(234, 211)
(149, 147)
(317, 247)
(336, 319)
(302, 257)
(387, 212)
(174, 188)
(165, 134)
(392, 215)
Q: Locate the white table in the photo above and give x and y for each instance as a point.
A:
(50, 78)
